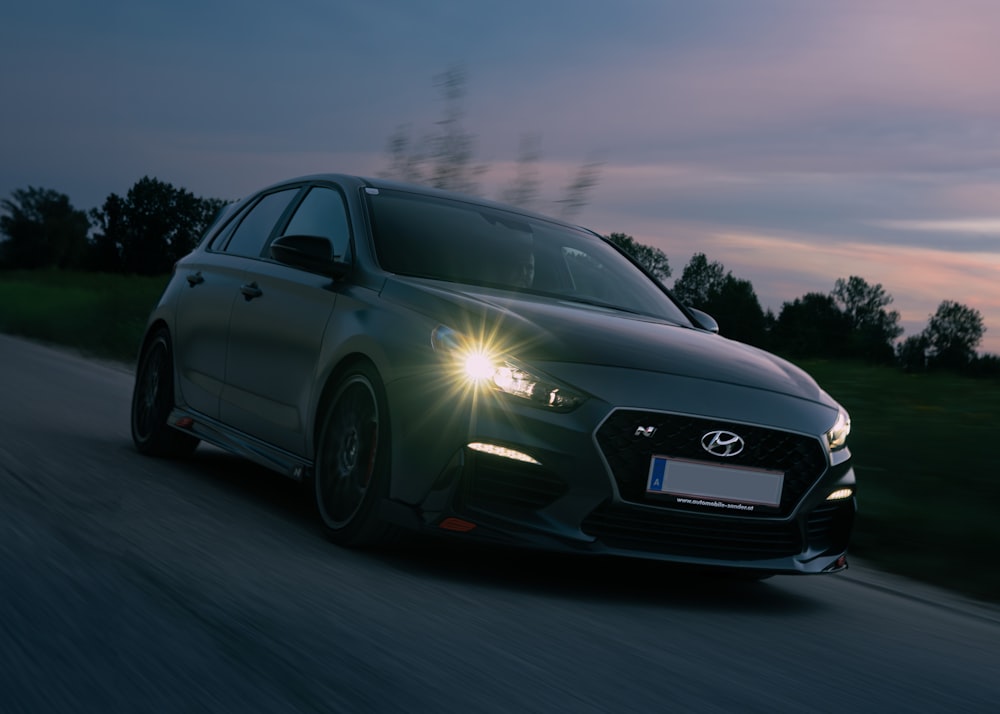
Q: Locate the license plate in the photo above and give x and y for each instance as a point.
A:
(703, 484)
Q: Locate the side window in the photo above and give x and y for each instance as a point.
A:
(323, 213)
(255, 228)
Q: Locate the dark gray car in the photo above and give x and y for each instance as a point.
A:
(433, 361)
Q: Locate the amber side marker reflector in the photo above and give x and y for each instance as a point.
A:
(185, 422)
(456, 524)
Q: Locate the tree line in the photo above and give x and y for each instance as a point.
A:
(155, 224)
(142, 233)
(853, 321)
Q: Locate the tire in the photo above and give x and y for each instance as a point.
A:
(352, 460)
(153, 400)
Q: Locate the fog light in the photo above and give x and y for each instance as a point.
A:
(840, 494)
(503, 452)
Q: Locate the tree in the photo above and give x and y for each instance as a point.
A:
(583, 181)
(737, 310)
(150, 229)
(699, 280)
(652, 259)
(873, 327)
(405, 160)
(953, 334)
(911, 353)
(449, 150)
(987, 365)
(523, 190)
(812, 326)
(730, 300)
(445, 157)
(43, 229)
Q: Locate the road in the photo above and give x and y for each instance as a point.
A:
(130, 584)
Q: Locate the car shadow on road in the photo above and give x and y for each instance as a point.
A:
(621, 580)
(577, 577)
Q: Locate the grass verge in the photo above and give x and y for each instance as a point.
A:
(100, 314)
(925, 454)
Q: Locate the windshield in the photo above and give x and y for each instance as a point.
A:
(463, 242)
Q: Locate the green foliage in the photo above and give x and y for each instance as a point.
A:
(98, 313)
(150, 229)
(953, 334)
(652, 259)
(911, 353)
(923, 447)
(873, 328)
(737, 310)
(730, 300)
(852, 322)
(43, 230)
(811, 326)
(699, 281)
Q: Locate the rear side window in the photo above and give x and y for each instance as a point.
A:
(323, 213)
(256, 227)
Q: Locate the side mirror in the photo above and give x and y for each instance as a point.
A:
(704, 320)
(312, 253)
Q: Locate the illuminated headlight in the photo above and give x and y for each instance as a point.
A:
(836, 438)
(481, 365)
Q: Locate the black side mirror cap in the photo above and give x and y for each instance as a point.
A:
(704, 321)
(312, 253)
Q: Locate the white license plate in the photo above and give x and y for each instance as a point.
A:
(704, 483)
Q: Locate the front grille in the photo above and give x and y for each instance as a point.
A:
(648, 529)
(492, 481)
(800, 458)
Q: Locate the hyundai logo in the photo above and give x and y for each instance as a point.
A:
(722, 443)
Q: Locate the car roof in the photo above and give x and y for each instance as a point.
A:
(394, 184)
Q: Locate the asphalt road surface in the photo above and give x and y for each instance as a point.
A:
(129, 584)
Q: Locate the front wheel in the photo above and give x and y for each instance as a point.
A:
(352, 460)
(153, 400)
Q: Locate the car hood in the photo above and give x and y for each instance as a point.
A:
(536, 329)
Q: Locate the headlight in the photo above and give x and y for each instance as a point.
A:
(836, 438)
(479, 364)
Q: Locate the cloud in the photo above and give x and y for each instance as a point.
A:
(974, 226)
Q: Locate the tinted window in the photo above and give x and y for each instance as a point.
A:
(256, 227)
(323, 213)
(465, 242)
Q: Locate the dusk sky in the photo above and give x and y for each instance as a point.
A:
(795, 142)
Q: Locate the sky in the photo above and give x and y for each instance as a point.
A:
(793, 141)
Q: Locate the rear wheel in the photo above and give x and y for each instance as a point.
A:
(152, 401)
(351, 471)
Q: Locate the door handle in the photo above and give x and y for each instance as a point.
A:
(195, 279)
(251, 291)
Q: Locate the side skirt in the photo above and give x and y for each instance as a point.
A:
(236, 442)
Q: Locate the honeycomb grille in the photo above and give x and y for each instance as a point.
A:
(628, 453)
